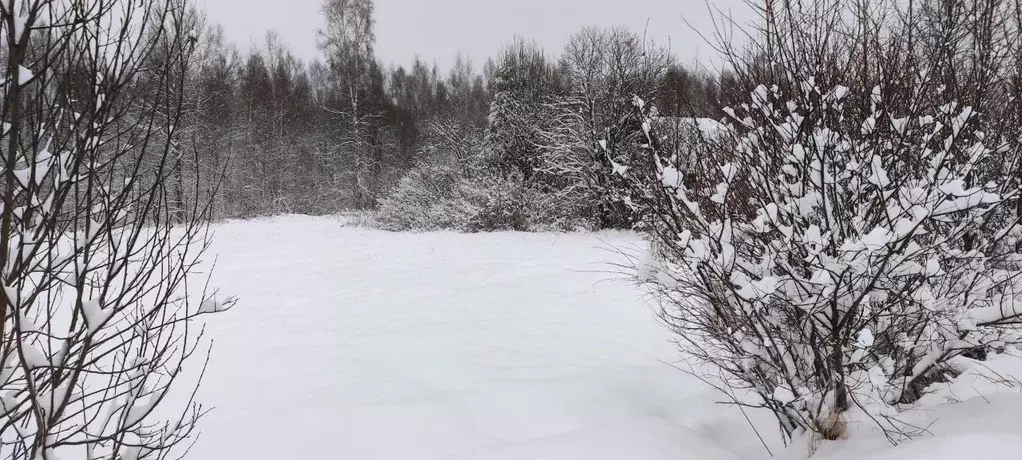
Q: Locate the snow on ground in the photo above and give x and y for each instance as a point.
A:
(978, 416)
(356, 343)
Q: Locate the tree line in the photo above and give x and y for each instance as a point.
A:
(341, 133)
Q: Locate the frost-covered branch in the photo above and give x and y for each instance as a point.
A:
(95, 251)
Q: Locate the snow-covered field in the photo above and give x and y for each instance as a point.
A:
(354, 343)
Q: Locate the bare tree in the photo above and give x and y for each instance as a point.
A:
(96, 251)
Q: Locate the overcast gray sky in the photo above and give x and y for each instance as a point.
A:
(438, 29)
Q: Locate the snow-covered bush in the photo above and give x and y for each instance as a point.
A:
(418, 202)
(833, 259)
(427, 200)
(872, 252)
(429, 197)
(512, 204)
(455, 186)
(501, 204)
(854, 226)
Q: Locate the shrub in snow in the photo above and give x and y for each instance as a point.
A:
(855, 224)
(501, 204)
(455, 186)
(508, 203)
(840, 246)
(424, 202)
(430, 196)
(421, 202)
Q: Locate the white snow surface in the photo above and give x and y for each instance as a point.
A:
(355, 343)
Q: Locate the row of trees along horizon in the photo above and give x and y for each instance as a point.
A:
(324, 137)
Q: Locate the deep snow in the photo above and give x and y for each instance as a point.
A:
(356, 343)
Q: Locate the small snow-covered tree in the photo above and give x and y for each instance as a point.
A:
(604, 69)
(96, 250)
(524, 80)
(843, 237)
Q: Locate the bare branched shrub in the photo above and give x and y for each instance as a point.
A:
(97, 246)
(854, 225)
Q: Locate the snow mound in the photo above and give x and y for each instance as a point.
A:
(977, 416)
